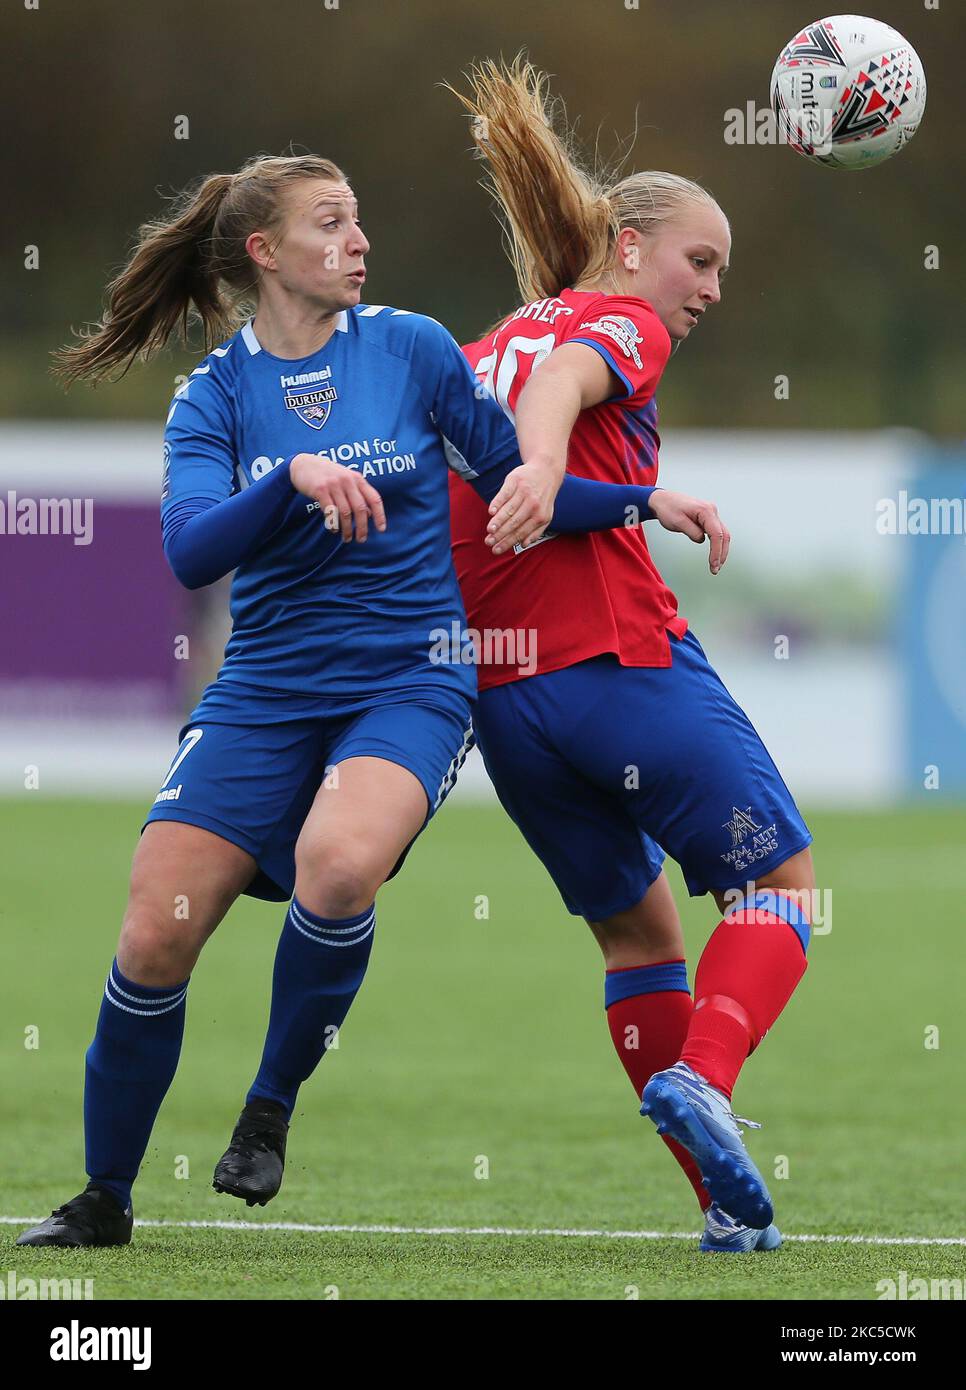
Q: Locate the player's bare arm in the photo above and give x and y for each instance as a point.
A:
(573, 378)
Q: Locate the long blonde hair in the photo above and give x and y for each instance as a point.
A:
(193, 259)
(561, 220)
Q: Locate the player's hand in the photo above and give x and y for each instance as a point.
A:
(695, 519)
(521, 509)
(343, 496)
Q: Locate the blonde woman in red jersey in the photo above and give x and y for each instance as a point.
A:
(618, 737)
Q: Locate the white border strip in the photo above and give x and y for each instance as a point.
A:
(498, 1231)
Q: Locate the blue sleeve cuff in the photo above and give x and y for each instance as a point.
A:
(585, 505)
(609, 359)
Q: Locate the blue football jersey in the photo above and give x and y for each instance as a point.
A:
(389, 394)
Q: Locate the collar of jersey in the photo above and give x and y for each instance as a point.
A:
(254, 346)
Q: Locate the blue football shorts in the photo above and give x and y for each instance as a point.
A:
(253, 783)
(603, 767)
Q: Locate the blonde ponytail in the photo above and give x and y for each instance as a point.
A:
(561, 220)
(558, 220)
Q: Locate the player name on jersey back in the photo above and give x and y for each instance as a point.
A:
(584, 594)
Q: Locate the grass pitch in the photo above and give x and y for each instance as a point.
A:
(478, 1046)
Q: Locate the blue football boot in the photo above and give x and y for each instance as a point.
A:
(681, 1103)
(723, 1232)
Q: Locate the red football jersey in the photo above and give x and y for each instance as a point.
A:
(581, 595)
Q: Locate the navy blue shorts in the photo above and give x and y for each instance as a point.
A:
(601, 765)
(254, 784)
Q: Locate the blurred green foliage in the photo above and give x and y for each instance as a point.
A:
(828, 282)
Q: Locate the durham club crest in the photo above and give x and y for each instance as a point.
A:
(310, 395)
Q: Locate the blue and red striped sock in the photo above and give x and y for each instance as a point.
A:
(648, 1011)
(747, 973)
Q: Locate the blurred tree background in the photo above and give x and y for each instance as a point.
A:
(828, 281)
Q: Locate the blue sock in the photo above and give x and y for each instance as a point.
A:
(130, 1065)
(319, 965)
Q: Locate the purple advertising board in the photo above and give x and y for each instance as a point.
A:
(90, 620)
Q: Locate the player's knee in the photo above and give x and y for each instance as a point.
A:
(796, 878)
(648, 931)
(335, 880)
(625, 941)
(154, 949)
(160, 939)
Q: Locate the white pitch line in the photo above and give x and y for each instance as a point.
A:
(496, 1231)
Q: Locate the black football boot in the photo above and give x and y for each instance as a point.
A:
(252, 1165)
(92, 1218)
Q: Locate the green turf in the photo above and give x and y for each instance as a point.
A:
(486, 1038)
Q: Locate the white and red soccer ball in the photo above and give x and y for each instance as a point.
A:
(848, 92)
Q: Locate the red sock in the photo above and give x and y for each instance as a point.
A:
(745, 977)
(648, 1028)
